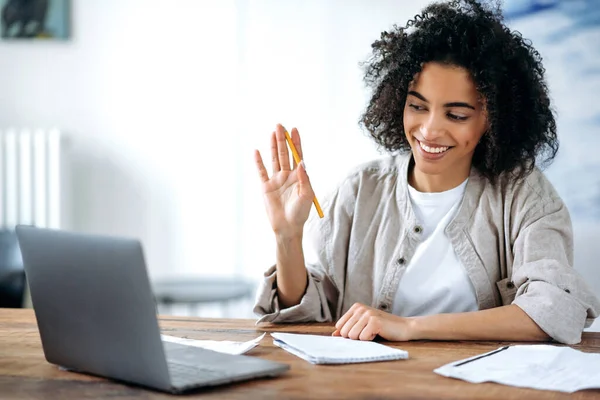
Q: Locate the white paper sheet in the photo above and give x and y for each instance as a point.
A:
(543, 367)
(318, 349)
(222, 346)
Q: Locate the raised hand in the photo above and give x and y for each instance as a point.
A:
(288, 194)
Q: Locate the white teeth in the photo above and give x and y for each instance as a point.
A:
(434, 150)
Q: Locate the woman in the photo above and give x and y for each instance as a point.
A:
(457, 235)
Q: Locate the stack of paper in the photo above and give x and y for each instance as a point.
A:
(335, 350)
(530, 366)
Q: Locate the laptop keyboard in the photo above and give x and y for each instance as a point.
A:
(184, 375)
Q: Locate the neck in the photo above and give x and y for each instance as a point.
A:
(427, 183)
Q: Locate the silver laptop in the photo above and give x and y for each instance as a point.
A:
(96, 314)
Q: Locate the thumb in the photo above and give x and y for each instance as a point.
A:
(302, 175)
(303, 181)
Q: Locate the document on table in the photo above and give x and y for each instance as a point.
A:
(539, 366)
(318, 349)
(222, 346)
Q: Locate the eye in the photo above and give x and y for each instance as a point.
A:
(416, 107)
(457, 117)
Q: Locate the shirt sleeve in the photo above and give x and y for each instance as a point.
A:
(327, 238)
(550, 290)
(315, 305)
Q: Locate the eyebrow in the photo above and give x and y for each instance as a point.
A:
(453, 104)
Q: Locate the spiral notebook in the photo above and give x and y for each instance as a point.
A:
(318, 349)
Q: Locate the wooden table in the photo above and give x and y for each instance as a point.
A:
(25, 374)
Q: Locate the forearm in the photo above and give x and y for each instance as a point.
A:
(292, 277)
(509, 323)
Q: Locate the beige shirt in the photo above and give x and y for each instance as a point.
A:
(514, 239)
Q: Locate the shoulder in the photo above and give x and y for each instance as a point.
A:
(373, 177)
(367, 183)
(380, 167)
(535, 191)
(527, 199)
(377, 172)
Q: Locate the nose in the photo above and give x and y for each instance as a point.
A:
(432, 127)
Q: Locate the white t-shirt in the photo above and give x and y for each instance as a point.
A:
(435, 280)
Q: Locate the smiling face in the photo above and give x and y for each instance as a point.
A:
(444, 118)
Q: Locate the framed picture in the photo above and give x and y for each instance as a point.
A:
(35, 19)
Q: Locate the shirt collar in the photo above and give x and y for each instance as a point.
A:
(469, 203)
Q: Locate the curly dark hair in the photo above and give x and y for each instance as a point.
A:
(506, 69)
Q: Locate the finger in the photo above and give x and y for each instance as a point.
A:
(282, 149)
(347, 316)
(358, 327)
(336, 333)
(297, 143)
(274, 156)
(262, 171)
(368, 333)
(342, 321)
(345, 331)
(296, 140)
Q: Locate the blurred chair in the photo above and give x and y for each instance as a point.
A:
(12, 274)
(197, 291)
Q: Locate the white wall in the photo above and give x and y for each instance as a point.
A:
(166, 100)
(135, 88)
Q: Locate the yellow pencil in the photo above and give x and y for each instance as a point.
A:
(297, 159)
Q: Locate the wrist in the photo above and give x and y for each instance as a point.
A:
(285, 238)
(288, 245)
(415, 328)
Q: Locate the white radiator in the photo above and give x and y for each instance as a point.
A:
(30, 178)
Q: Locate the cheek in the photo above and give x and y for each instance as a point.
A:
(471, 136)
(408, 121)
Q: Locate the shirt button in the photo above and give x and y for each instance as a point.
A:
(567, 290)
(383, 306)
(401, 261)
(418, 229)
(510, 285)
